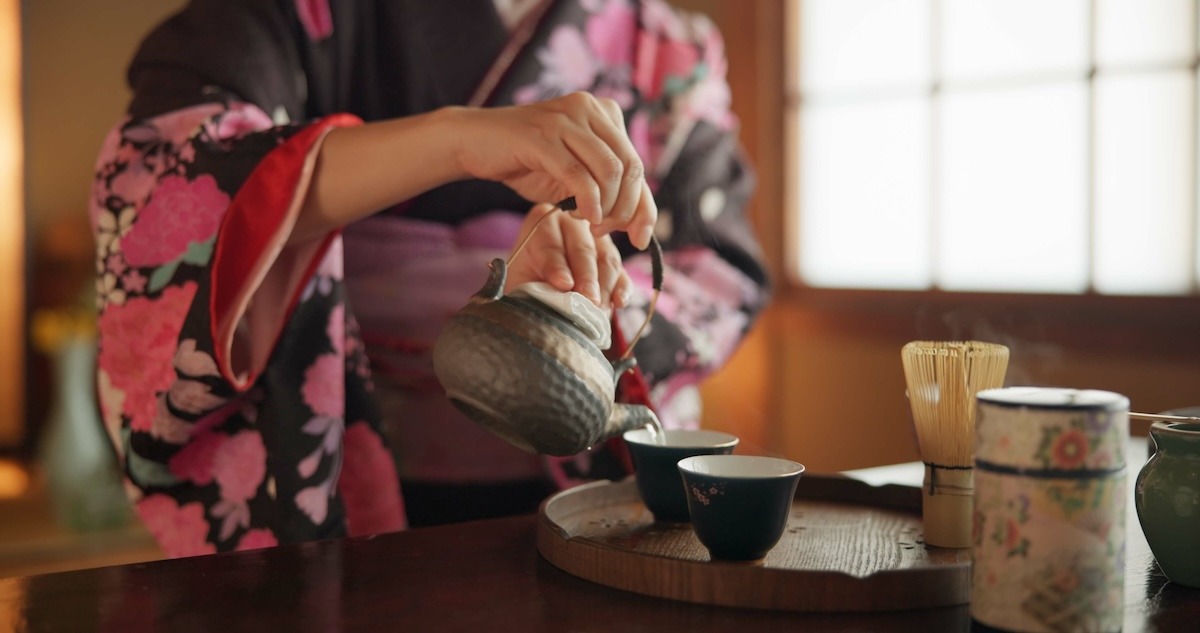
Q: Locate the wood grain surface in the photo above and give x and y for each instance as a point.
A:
(469, 577)
(861, 553)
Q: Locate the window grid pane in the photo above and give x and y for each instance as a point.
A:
(867, 219)
(1143, 183)
(988, 39)
(1010, 155)
(1012, 181)
(841, 40)
(1137, 32)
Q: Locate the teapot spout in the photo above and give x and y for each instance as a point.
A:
(627, 417)
(493, 289)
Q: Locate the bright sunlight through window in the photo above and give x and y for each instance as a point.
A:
(995, 145)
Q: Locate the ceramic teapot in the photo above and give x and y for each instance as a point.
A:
(532, 376)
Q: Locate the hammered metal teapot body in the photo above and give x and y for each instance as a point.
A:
(528, 374)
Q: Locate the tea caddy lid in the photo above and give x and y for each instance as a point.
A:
(1054, 398)
(1047, 429)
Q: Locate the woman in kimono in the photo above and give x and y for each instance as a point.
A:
(256, 243)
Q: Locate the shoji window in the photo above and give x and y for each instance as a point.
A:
(1026, 146)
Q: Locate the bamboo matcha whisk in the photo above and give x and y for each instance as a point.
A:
(943, 378)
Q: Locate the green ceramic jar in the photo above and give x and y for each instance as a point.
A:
(1168, 500)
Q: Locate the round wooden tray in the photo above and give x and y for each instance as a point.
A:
(848, 546)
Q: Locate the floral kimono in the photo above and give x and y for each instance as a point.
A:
(233, 373)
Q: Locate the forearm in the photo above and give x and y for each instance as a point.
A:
(361, 170)
(571, 146)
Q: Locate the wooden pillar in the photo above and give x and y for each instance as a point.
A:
(12, 229)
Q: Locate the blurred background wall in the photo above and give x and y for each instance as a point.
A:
(75, 58)
(820, 378)
(70, 61)
(75, 55)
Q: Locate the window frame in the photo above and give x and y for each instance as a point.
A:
(761, 40)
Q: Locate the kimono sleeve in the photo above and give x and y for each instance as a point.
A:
(716, 281)
(192, 211)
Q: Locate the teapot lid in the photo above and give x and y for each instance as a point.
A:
(572, 306)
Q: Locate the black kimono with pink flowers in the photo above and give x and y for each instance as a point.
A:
(233, 371)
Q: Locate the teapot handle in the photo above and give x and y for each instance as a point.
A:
(656, 278)
(656, 271)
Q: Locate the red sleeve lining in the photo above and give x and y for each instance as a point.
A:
(632, 388)
(253, 236)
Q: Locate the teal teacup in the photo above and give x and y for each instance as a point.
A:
(739, 504)
(657, 477)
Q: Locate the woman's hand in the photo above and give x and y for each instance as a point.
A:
(571, 146)
(564, 253)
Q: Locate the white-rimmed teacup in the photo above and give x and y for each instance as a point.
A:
(739, 504)
(657, 476)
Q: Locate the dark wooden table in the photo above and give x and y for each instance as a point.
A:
(482, 576)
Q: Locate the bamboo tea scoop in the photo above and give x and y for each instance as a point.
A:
(1160, 417)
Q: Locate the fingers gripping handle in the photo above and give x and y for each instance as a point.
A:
(656, 268)
(656, 278)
